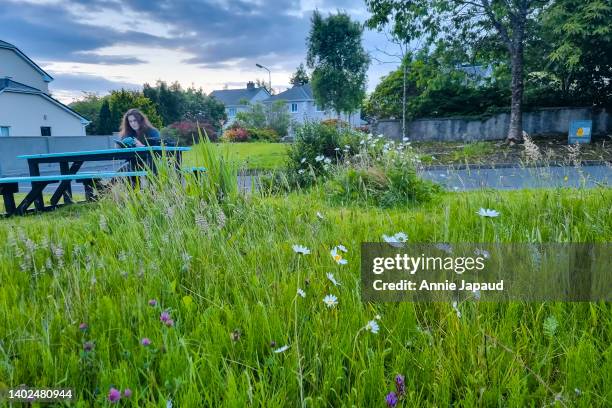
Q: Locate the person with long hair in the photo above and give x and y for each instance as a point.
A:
(136, 125)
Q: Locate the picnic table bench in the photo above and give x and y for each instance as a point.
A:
(10, 185)
(136, 160)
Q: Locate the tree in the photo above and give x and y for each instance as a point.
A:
(106, 123)
(300, 77)
(123, 100)
(168, 100)
(199, 107)
(88, 106)
(338, 62)
(508, 21)
(260, 83)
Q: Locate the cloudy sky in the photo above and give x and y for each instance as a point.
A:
(97, 45)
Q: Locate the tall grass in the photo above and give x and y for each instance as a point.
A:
(225, 271)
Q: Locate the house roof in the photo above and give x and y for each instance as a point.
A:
(8, 85)
(9, 46)
(233, 96)
(297, 93)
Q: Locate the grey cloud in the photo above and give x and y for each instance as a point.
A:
(90, 83)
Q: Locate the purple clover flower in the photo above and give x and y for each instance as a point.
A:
(88, 346)
(152, 302)
(145, 341)
(391, 399)
(114, 395)
(83, 326)
(400, 384)
(165, 317)
(127, 393)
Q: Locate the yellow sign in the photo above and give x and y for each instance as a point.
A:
(580, 132)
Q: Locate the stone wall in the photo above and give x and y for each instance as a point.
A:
(546, 121)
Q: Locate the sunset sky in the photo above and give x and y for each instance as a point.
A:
(98, 45)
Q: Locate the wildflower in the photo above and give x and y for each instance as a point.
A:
(281, 349)
(88, 346)
(114, 395)
(301, 293)
(327, 160)
(319, 215)
(169, 403)
(485, 212)
(83, 326)
(333, 280)
(319, 158)
(299, 249)
(391, 399)
(272, 343)
(201, 222)
(165, 318)
(482, 252)
(456, 309)
(396, 240)
(301, 171)
(405, 139)
(145, 341)
(235, 335)
(337, 257)
(372, 326)
(330, 301)
(152, 302)
(127, 393)
(445, 248)
(337, 149)
(221, 219)
(342, 248)
(377, 317)
(400, 384)
(303, 160)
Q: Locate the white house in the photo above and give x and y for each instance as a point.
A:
(26, 107)
(238, 100)
(301, 104)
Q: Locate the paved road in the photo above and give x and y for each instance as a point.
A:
(517, 178)
(500, 178)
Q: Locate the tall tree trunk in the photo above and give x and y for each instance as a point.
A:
(515, 132)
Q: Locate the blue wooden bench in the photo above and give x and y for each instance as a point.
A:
(10, 185)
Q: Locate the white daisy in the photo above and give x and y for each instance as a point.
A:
(332, 279)
(337, 257)
(301, 293)
(281, 349)
(337, 149)
(342, 248)
(456, 309)
(319, 215)
(300, 249)
(303, 160)
(327, 160)
(330, 301)
(301, 171)
(485, 212)
(320, 158)
(396, 240)
(372, 326)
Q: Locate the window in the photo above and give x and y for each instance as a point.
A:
(5, 130)
(231, 111)
(294, 107)
(45, 131)
(318, 108)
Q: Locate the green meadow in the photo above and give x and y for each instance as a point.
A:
(192, 295)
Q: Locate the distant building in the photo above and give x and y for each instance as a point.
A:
(238, 100)
(302, 106)
(26, 106)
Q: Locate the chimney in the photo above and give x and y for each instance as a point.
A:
(250, 85)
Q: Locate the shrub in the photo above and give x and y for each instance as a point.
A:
(185, 132)
(393, 182)
(263, 135)
(236, 135)
(336, 123)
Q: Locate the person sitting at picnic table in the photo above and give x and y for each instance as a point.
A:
(136, 125)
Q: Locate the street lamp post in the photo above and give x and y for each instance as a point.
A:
(269, 75)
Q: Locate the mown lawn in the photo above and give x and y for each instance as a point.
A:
(228, 281)
(253, 156)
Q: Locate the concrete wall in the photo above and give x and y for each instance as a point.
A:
(11, 147)
(544, 121)
(12, 65)
(26, 113)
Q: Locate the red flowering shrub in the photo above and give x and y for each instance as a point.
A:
(236, 135)
(186, 132)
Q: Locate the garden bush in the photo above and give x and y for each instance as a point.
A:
(236, 135)
(263, 135)
(185, 132)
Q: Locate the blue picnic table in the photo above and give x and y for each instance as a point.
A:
(136, 160)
